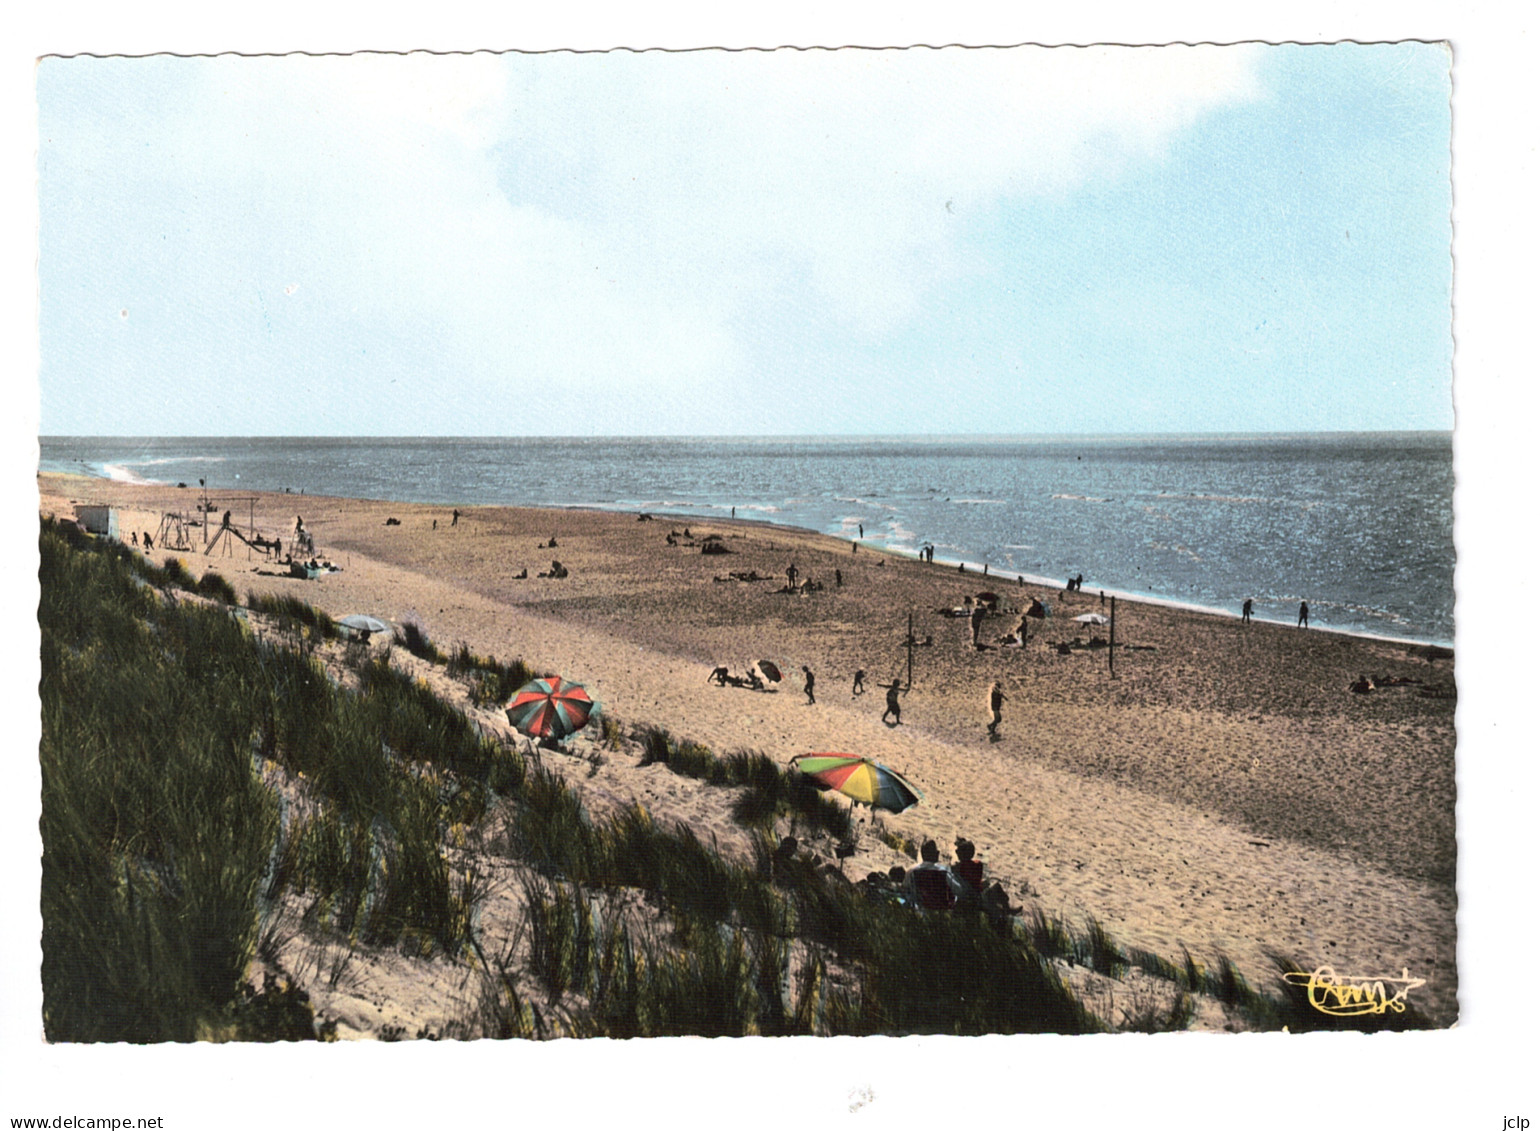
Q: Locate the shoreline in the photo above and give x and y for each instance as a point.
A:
(973, 566)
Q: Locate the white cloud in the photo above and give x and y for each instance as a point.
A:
(615, 219)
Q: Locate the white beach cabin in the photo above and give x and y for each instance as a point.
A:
(101, 521)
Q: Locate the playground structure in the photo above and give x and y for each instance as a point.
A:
(177, 531)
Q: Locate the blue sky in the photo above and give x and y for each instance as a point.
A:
(986, 241)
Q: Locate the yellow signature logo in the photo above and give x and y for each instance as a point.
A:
(1351, 995)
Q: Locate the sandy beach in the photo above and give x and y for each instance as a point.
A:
(1223, 792)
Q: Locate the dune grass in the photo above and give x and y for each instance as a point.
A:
(414, 638)
(214, 586)
(155, 828)
(158, 829)
(768, 790)
(290, 611)
(491, 682)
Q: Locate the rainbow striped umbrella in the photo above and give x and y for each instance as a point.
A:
(860, 779)
(549, 708)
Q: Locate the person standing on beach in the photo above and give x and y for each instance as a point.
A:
(996, 697)
(860, 530)
(454, 517)
(1246, 611)
(807, 684)
(892, 708)
(839, 579)
(791, 576)
(859, 686)
(976, 621)
(1304, 616)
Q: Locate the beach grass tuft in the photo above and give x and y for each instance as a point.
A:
(214, 586)
(414, 638)
(290, 612)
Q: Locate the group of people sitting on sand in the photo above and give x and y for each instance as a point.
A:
(722, 677)
(934, 886)
(743, 575)
(557, 570)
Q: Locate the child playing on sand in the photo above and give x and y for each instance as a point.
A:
(892, 708)
(996, 697)
(859, 686)
(807, 686)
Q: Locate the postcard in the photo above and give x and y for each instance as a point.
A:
(548, 548)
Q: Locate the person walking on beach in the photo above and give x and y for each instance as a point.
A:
(976, 621)
(454, 517)
(892, 708)
(1304, 616)
(839, 579)
(996, 697)
(807, 684)
(859, 686)
(148, 545)
(860, 530)
(1246, 611)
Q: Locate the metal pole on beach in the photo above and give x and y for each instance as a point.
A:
(909, 644)
(1112, 640)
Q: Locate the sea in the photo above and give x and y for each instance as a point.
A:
(1360, 525)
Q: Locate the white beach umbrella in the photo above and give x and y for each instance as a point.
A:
(363, 625)
(1091, 618)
